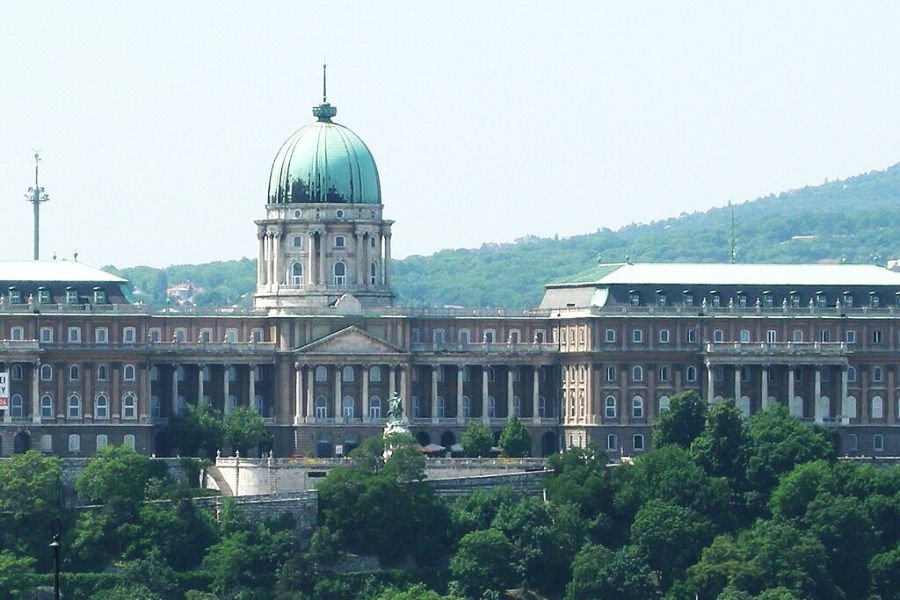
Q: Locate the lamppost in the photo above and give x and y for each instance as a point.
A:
(54, 546)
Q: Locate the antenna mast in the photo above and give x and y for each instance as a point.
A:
(733, 236)
(37, 197)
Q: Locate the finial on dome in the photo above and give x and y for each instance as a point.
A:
(324, 111)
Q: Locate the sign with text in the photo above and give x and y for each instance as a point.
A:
(4, 390)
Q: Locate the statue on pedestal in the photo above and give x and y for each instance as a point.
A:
(396, 422)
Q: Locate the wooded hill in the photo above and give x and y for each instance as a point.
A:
(855, 220)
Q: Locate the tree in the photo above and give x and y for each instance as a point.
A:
(477, 440)
(31, 492)
(884, 571)
(682, 422)
(598, 572)
(17, 575)
(484, 561)
(198, 427)
(244, 428)
(719, 448)
(515, 441)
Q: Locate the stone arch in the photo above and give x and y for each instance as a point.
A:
(423, 439)
(549, 444)
(21, 442)
(448, 439)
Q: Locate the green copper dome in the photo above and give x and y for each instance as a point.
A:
(324, 162)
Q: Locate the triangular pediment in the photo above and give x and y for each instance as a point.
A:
(351, 340)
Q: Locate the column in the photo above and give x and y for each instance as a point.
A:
(510, 392)
(817, 393)
(338, 392)
(261, 258)
(764, 387)
(387, 259)
(737, 383)
(365, 393)
(310, 395)
(364, 252)
(392, 380)
(358, 245)
(199, 385)
(790, 398)
(323, 241)
(174, 389)
(710, 383)
(7, 414)
(270, 263)
(846, 418)
(252, 399)
(460, 387)
(404, 391)
(485, 392)
(311, 260)
(226, 391)
(536, 394)
(35, 392)
(298, 394)
(434, 392)
(276, 264)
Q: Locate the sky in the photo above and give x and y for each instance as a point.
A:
(157, 122)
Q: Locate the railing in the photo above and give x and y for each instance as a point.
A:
(708, 310)
(777, 348)
(485, 348)
(19, 345)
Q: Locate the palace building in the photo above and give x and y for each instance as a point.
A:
(325, 346)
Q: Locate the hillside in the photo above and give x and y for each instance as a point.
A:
(854, 220)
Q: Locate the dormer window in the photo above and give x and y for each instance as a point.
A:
(660, 298)
(847, 299)
(71, 296)
(99, 296)
(874, 300)
(742, 299)
(43, 295)
(634, 298)
(821, 299)
(15, 296)
(687, 298)
(795, 300)
(715, 299)
(767, 300)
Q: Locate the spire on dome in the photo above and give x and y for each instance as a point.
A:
(324, 111)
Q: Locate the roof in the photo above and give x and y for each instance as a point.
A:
(54, 270)
(734, 274)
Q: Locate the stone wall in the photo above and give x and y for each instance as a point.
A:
(302, 506)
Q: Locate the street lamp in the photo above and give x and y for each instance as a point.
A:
(54, 546)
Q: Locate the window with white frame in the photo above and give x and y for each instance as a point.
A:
(542, 407)
(637, 336)
(17, 406)
(101, 335)
(638, 442)
(663, 403)
(257, 335)
(46, 373)
(155, 334)
(17, 333)
(462, 336)
(102, 441)
(128, 373)
(297, 241)
(850, 336)
(340, 241)
(878, 442)
(73, 407)
(824, 336)
(16, 372)
(877, 407)
(101, 407)
(797, 336)
(46, 335)
(637, 374)
(180, 335)
(876, 336)
(611, 373)
(321, 374)
(43, 295)
(515, 336)
(348, 374)
(691, 374)
(663, 336)
(610, 407)
(540, 336)
(851, 374)
(74, 335)
(612, 442)
(99, 296)
(877, 375)
(664, 374)
(718, 336)
(74, 373)
(46, 443)
(437, 336)
(374, 407)
(129, 406)
(321, 407)
(74, 442)
(637, 407)
(297, 273)
(690, 336)
(488, 336)
(373, 273)
(340, 273)
(375, 374)
(852, 443)
(71, 296)
(771, 336)
(231, 335)
(129, 441)
(610, 336)
(745, 336)
(348, 407)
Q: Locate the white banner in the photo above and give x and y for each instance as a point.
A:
(4, 390)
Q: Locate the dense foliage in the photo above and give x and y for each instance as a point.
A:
(848, 220)
(722, 507)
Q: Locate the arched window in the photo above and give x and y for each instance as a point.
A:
(373, 273)
(691, 374)
(321, 374)
(102, 441)
(878, 442)
(612, 442)
(321, 407)
(375, 374)
(851, 374)
(663, 403)
(129, 406)
(664, 374)
(102, 373)
(488, 336)
(877, 375)
(46, 406)
(849, 407)
(16, 372)
(46, 373)
(637, 374)
(610, 407)
(637, 407)
(74, 373)
(17, 408)
(610, 373)
(128, 373)
(297, 274)
(347, 407)
(101, 407)
(877, 407)
(347, 373)
(73, 407)
(462, 336)
(375, 407)
(340, 273)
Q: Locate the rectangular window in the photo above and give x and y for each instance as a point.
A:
(876, 336)
(17, 334)
(437, 336)
(637, 336)
(745, 336)
(850, 336)
(74, 335)
(99, 297)
(798, 336)
(101, 335)
(44, 296)
(687, 299)
(610, 336)
(663, 336)
(771, 336)
(339, 241)
(155, 334)
(690, 336)
(128, 335)
(71, 296)
(718, 336)
(824, 336)
(15, 296)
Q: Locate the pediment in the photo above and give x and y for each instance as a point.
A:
(351, 340)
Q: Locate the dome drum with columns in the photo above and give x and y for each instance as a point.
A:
(324, 236)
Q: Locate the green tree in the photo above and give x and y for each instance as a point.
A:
(31, 492)
(198, 428)
(884, 572)
(682, 423)
(515, 441)
(244, 428)
(17, 575)
(483, 561)
(720, 447)
(477, 440)
(598, 572)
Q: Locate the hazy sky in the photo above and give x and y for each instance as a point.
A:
(489, 121)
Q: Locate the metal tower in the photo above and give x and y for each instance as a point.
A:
(36, 196)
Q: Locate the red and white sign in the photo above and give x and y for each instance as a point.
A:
(4, 390)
